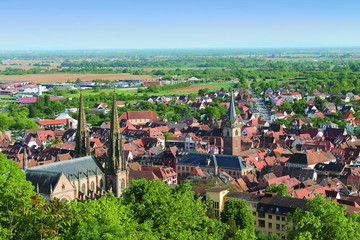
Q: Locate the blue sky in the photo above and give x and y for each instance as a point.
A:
(137, 24)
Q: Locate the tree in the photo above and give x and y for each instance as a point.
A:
(280, 189)
(319, 103)
(168, 134)
(285, 106)
(324, 219)
(105, 218)
(262, 236)
(15, 194)
(97, 89)
(231, 231)
(78, 80)
(171, 213)
(237, 210)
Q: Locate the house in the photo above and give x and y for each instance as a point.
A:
(120, 104)
(351, 125)
(290, 97)
(31, 100)
(348, 116)
(248, 130)
(323, 126)
(313, 95)
(309, 159)
(330, 107)
(298, 123)
(139, 117)
(52, 124)
(166, 174)
(344, 98)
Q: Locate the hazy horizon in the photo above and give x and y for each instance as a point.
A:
(94, 25)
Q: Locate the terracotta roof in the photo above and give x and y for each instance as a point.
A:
(33, 99)
(49, 122)
(139, 115)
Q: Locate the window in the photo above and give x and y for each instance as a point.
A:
(270, 216)
(261, 215)
(261, 223)
(283, 227)
(254, 214)
(83, 188)
(283, 219)
(92, 186)
(277, 226)
(270, 225)
(101, 183)
(216, 205)
(277, 218)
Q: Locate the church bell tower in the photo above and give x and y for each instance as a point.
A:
(232, 131)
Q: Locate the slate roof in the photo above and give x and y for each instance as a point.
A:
(216, 160)
(284, 202)
(75, 166)
(44, 180)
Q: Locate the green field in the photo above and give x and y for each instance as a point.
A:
(124, 91)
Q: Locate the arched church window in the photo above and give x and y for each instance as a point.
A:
(83, 188)
(101, 183)
(122, 184)
(236, 132)
(92, 186)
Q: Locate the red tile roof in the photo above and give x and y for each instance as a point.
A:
(33, 99)
(139, 115)
(50, 122)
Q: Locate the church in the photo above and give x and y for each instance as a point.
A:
(230, 162)
(83, 177)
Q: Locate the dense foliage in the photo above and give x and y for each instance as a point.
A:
(325, 219)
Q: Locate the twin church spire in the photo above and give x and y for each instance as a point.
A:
(114, 160)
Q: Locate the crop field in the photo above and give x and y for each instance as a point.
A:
(61, 78)
(194, 88)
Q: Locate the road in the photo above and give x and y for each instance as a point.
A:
(260, 106)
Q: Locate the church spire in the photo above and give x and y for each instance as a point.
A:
(232, 113)
(115, 154)
(82, 140)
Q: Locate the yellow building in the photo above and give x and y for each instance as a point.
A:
(270, 211)
(217, 195)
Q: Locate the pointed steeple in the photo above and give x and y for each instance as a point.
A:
(115, 153)
(25, 159)
(232, 113)
(82, 140)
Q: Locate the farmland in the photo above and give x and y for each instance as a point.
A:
(193, 88)
(61, 78)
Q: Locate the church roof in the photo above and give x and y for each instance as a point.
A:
(77, 167)
(45, 180)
